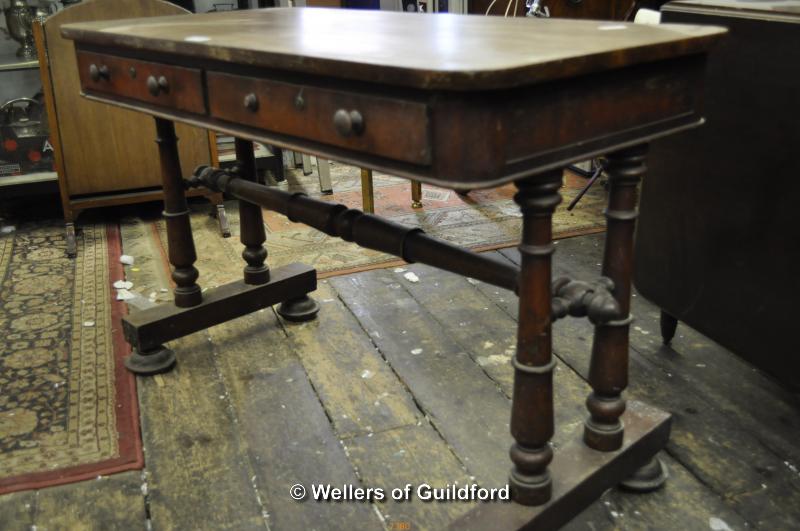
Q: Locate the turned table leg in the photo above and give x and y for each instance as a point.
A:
(532, 420)
(608, 371)
(253, 234)
(182, 254)
(297, 309)
(176, 211)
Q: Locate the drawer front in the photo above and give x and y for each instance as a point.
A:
(170, 86)
(386, 127)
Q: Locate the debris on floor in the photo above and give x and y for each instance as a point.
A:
(124, 295)
(411, 277)
(494, 359)
(718, 524)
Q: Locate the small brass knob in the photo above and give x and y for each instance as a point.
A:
(98, 72)
(348, 122)
(251, 102)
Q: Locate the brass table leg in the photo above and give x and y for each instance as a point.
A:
(367, 192)
(416, 194)
(532, 416)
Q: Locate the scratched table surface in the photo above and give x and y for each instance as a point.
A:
(446, 51)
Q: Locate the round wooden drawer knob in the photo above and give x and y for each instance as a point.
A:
(348, 122)
(156, 86)
(98, 72)
(251, 102)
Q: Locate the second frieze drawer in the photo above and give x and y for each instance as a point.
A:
(388, 127)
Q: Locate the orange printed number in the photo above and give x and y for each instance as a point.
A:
(400, 526)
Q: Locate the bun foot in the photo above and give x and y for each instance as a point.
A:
(156, 361)
(301, 309)
(648, 478)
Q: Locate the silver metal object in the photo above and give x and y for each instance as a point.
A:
(324, 170)
(536, 9)
(222, 219)
(19, 21)
(22, 118)
(71, 241)
(306, 161)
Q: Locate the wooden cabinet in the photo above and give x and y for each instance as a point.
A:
(106, 155)
(719, 234)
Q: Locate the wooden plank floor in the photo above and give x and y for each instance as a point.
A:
(400, 382)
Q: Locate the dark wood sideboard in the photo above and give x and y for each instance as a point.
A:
(719, 233)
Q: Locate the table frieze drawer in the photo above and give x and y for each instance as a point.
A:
(388, 127)
(171, 86)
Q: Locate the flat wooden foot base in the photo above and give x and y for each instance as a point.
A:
(580, 475)
(301, 309)
(155, 361)
(148, 329)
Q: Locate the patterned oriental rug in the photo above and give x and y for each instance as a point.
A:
(482, 220)
(68, 408)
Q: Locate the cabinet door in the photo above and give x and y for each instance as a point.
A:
(104, 148)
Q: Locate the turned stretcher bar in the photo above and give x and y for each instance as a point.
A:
(409, 243)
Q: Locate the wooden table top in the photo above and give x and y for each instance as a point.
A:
(455, 52)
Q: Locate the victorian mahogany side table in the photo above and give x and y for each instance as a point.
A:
(488, 101)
